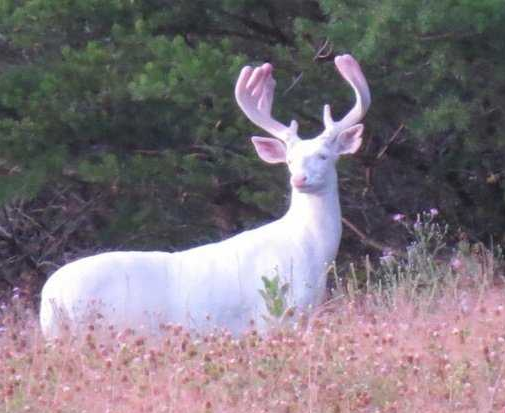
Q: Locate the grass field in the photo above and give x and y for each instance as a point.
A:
(429, 338)
(356, 356)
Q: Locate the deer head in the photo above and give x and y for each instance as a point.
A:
(310, 161)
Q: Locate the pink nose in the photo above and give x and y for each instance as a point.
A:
(298, 180)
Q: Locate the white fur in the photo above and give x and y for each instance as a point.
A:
(217, 284)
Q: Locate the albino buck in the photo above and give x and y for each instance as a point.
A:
(218, 284)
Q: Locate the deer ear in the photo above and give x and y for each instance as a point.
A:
(270, 150)
(347, 141)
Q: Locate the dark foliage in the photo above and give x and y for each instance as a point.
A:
(118, 126)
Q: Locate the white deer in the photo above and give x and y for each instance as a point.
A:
(218, 284)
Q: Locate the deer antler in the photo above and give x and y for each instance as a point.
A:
(350, 70)
(254, 92)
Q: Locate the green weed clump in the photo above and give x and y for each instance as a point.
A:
(427, 270)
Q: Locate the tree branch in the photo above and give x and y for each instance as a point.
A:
(258, 27)
(367, 241)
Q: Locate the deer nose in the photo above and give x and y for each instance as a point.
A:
(298, 180)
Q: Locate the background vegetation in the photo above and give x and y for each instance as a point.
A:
(118, 127)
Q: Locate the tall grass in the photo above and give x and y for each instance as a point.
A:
(429, 337)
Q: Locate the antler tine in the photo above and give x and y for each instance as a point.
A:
(351, 71)
(254, 92)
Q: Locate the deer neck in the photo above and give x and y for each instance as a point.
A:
(317, 214)
(313, 223)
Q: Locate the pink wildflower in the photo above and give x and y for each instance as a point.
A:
(398, 217)
(456, 264)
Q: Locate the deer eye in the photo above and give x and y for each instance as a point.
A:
(322, 157)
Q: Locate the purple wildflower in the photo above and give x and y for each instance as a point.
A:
(398, 217)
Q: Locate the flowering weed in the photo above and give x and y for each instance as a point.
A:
(430, 339)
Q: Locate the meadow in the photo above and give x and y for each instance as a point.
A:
(429, 336)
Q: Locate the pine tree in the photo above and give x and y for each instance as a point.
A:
(128, 107)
